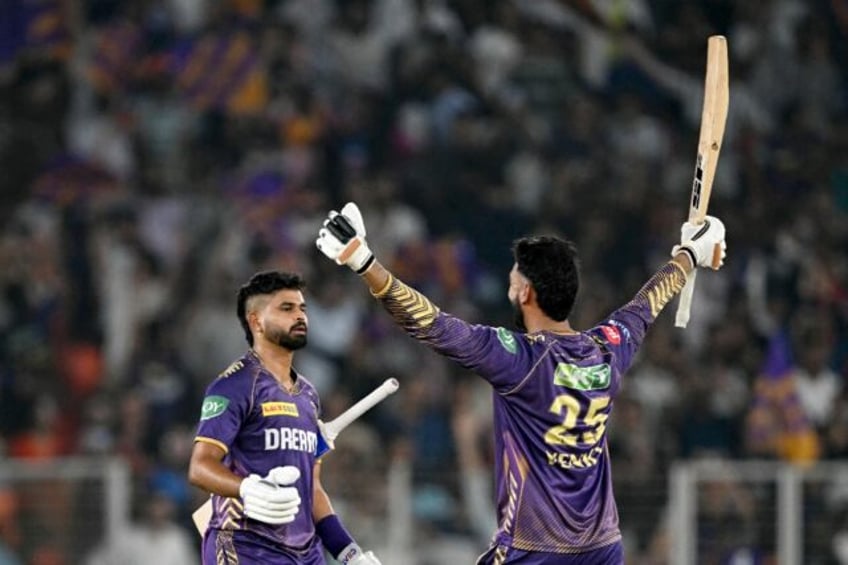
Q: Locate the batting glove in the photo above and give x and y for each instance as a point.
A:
(704, 242)
(342, 239)
(269, 499)
(353, 555)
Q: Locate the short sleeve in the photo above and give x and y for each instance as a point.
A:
(225, 407)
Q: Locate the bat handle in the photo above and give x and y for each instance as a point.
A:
(717, 256)
(685, 304)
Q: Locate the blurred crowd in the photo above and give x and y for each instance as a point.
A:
(155, 153)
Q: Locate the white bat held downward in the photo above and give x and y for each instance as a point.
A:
(330, 430)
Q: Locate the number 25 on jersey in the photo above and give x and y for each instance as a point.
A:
(592, 423)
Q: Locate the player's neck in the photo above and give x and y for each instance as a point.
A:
(277, 361)
(545, 324)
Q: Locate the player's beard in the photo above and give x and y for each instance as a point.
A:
(518, 316)
(285, 339)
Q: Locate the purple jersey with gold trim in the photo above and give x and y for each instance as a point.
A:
(260, 426)
(553, 394)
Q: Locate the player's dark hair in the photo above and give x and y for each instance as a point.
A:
(550, 264)
(265, 282)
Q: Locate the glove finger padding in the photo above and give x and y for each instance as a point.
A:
(286, 475)
(278, 498)
(341, 228)
(352, 213)
(273, 518)
(329, 245)
(273, 507)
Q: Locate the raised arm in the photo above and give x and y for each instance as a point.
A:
(624, 330)
(491, 352)
(697, 245)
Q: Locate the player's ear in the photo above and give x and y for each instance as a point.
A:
(526, 292)
(253, 322)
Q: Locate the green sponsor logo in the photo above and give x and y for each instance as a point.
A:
(213, 406)
(594, 377)
(507, 340)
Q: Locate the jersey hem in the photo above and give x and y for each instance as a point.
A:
(566, 549)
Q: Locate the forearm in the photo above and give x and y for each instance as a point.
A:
(410, 309)
(664, 285)
(321, 505)
(376, 277)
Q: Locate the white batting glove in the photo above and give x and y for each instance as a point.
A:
(268, 499)
(342, 239)
(353, 555)
(367, 558)
(705, 243)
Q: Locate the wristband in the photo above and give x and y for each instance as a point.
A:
(334, 536)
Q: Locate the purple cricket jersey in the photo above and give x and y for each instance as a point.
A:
(260, 425)
(553, 394)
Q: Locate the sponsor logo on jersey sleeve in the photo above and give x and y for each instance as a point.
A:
(279, 409)
(621, 328)
(507, 340)
(593, 377)
(611, 334)
(213, 406)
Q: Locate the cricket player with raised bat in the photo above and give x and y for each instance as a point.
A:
(553, 385)
(259, 440)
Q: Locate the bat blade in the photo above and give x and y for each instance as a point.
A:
(201, 516)
(713, 120)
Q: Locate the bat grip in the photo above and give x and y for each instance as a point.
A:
(717, 256)
(685, 304)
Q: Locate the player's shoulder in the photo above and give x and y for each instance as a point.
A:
(239, 373)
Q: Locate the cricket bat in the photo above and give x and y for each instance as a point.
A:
(713, 118)
(329, 431)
